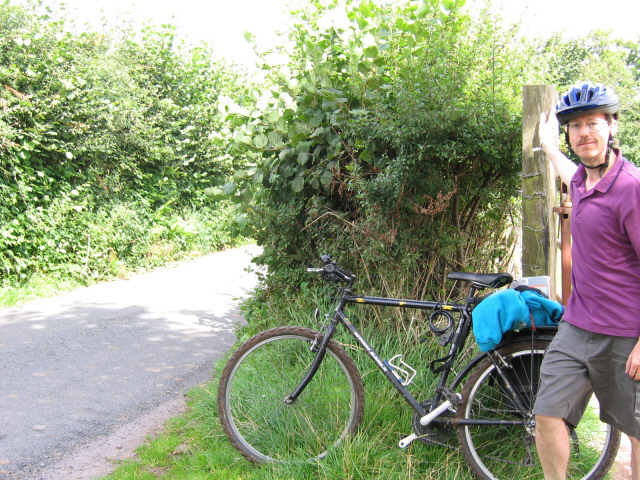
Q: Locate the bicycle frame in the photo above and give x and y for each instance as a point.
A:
(458, 340)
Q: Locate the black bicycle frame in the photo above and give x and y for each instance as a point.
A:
(457, 342)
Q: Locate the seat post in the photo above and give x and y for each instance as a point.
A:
(472, 292)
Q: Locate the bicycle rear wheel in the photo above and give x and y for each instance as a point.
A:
(263, 372)
(509, 451)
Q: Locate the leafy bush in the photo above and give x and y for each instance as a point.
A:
(393, 139)
(110, 155)
(392, 143)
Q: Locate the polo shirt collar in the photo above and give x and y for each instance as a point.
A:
(605, 183)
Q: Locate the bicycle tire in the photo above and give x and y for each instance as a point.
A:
(263, 372)
(508, 452)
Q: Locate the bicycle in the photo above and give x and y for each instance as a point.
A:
(293, 394)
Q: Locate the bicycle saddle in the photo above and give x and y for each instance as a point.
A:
(493, 280)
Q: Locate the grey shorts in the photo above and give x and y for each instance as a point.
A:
(577, 362)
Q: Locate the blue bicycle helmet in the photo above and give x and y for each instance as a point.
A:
(586, 98)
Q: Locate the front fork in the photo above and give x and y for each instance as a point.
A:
(320, 351)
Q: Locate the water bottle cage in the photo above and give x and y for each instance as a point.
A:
(401, 370)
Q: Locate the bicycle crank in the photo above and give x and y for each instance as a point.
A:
(437, 433)
(452, 399)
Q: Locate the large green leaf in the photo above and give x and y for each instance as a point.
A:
(298, 184)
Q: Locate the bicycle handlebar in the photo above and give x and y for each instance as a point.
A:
(332, 272)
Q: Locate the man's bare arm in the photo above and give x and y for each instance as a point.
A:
(548, 132)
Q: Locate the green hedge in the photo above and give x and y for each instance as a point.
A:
(110, 149)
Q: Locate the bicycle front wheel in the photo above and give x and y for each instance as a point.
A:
(494, 451)
(263, 372)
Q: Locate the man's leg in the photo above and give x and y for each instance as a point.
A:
(552, 441)
(635, 458)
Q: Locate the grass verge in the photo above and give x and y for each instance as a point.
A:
(194, 446)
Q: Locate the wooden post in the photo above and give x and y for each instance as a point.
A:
(538, 188)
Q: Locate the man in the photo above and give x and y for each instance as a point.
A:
(597, 345)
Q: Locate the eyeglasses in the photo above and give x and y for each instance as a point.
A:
(593, 126)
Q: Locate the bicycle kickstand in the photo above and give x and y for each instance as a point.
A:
(452, 399)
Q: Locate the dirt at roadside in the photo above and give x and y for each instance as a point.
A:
(621, 470)
(102, 456)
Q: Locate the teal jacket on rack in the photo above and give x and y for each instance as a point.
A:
(511, 310)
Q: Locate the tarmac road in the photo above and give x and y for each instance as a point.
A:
(86, 376)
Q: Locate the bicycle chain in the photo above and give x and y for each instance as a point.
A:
(431, 441)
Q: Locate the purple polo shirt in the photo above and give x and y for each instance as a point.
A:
(605, 226)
